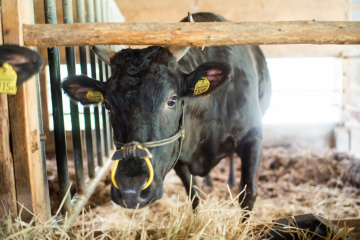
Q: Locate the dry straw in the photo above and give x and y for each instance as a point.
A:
(214, 219)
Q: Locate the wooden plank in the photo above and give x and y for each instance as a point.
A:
(7, 179)
(193, 34)
(24, 123)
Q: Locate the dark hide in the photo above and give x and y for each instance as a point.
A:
(144, 97)
(25, 62)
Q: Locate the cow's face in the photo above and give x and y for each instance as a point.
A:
(144, 97)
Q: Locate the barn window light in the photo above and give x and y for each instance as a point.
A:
(305, 90)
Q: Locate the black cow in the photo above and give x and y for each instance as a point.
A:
(151, 96)
(24, 61)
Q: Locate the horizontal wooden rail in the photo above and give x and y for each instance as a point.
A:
(201, 34)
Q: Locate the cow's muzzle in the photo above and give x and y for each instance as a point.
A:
(137, 150)
(133, 150)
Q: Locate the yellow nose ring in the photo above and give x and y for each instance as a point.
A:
(148, 163)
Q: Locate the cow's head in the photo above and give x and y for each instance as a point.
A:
(24, 61)
(144, 97)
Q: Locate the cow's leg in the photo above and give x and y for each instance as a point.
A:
(232, 180)
(249, 153)
(183, 172)
(208, 181)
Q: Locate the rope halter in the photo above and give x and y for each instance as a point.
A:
(135, 149)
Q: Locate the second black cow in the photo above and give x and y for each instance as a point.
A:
(17, 65)
(181, 108)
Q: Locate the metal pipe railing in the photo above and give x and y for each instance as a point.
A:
(74, 108)
(98, 135)
(97, 109)
(80, 10)
(106, 15)
(101, 14)
(58, 116)
(105, 120)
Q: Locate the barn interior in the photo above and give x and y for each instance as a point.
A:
(311, 143)
(314, 100)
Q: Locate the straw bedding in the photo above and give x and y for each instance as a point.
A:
(292, 181)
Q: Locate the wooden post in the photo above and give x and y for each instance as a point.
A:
(199, 34)
(7, 180)
(24, 122)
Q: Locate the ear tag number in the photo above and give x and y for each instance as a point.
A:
(201, 86)
(8, 78)
(94, 96)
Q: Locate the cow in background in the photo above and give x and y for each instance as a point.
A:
(24, 61)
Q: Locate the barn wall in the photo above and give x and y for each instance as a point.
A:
(348, 134)
(236, 10)
(305, 135)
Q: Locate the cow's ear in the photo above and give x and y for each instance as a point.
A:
(207, 78)
(84, 89)
(24, 61)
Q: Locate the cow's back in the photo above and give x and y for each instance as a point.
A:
(235, 55)
(205, 17)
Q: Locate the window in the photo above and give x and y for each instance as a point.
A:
(305, 90)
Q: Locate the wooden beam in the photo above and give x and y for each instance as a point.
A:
(24, 124)
(192, 34)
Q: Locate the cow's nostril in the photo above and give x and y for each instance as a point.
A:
(145, 193)
(118, 192)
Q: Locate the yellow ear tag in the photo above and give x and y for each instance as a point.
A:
(8, 78)
(94, 96)
(201, 86)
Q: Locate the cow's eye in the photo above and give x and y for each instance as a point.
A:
(171, 102)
